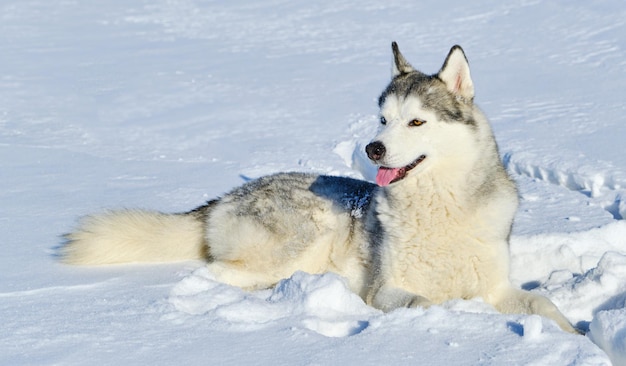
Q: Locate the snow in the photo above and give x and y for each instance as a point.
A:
(164, 104)
(607, 331)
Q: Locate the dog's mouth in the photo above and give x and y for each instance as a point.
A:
(386, 176)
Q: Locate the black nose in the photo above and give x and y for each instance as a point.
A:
(375, 150)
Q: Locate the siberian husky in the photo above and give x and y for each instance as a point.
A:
(435, 227)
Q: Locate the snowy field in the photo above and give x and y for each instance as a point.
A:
(163, 104)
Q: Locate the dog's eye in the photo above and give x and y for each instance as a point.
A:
(383, 121)
(416, 122)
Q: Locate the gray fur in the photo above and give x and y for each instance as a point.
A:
(430, 89)
(437, 233)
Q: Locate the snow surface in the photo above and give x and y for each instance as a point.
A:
(163, 104)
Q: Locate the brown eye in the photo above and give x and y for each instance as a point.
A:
(416, 122)
(383, 121)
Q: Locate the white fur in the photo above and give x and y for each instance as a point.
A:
(440, 244)
(456, 74)
(250, 255)
(450, 146)
(438, 234)
(135, 236)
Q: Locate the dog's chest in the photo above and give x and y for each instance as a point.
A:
(433, 245)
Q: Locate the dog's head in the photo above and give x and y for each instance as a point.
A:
(424, 119)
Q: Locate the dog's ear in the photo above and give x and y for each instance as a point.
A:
(400, 64)
(455, 73)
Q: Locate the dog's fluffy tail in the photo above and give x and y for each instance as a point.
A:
(136, 236)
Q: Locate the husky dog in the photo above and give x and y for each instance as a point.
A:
(434, 228)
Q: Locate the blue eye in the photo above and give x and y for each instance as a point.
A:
(383, 121)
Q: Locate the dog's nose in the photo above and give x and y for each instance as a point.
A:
(375, 150)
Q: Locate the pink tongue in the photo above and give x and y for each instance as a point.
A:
(386, 175)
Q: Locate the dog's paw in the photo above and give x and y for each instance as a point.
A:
(418, 301)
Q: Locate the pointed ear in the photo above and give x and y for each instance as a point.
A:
(455, 73)
(400, 64)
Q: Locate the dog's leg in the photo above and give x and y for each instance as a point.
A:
(235, 275)
(523, 302)
(387, 298)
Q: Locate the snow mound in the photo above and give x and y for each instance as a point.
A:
(581, 272)
(321, 303)
(536, 257)
(608, 330)
(324, 302)
(581, 296)
(533, 327)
